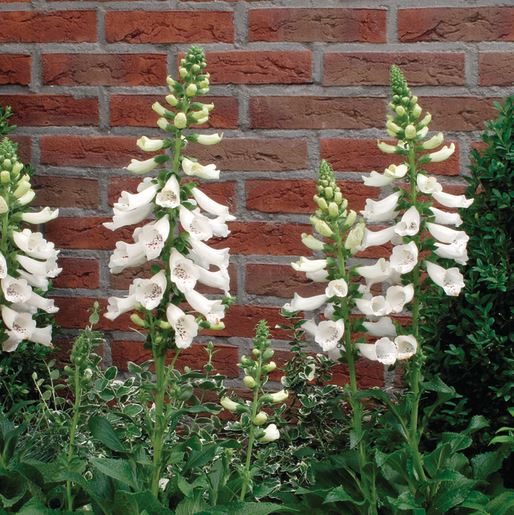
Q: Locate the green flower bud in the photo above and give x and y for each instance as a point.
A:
(329, 192)
(256, 352)
(400, 111)
(17, 168)
(350, 219)
(5, 177)
(260, 418)
(323, 228)
(22, 188)
(322, 203)
(249, 381)
(137, 320)
(7, 164)
(170, 82)
(191, 90)
(196, 68)
(416, 111)
(267, 354)
(333, 210)
(3, 206)
(180, 121)
(269, 367)
(338, 197)
(354, 238)
(172, 100)
(311, 242)
(410, 131)
(163, 324)
(182, 72)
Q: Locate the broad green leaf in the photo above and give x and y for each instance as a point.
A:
(503, 504)
(486, 464)
(102, 430)
(246, 508)
(200, 458)
(117, 469)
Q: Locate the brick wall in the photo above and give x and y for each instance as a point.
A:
(293, 82)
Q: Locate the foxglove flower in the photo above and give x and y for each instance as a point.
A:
(381, 210)
(450, 280)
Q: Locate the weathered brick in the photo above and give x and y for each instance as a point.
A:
(136, 111)
(48, 27)
(296, 196)
(24, 147)
(316, 112)
(74, 311)
(104, 69)
(493, 23)
(78, 273)
(248, 154)
(15, 69)
(372, 68)
(169, 26)
(496, 68)
(260, 67)
(279, 281)
(66, 191)
(93, 151)
(363, 155)
(46, 110)
(225, 359)
(369, 374)
(306, 25)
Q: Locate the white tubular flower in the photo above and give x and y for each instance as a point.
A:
(21, 325)
(36, 281)
(149, 292)
(406, 346)
(196, 224)
(212, 310)
(428, 185)
(433, 142)
(219, 227)
(183, 272)
(204, 256)
(33, 244)
(209, 205)
(27, 198)
(386, 148)
(229, 404)
(219, 279)
(381, 210)
(209, 139)
(116, 306)
(422, 133)
(311, 242)
(309, 265)
(42, 335)
(376, 238)
(375, 306)
(185, 326)
(449, 200)
(391, 173)
(46, 268)
(16, 290)
(122, 218)
(445, 234)
(130, 201)
(126, 255)
(193, 168)
(383, 350)
(153, 236)
(140, 167)
(41, 217)
(149, 145)
(450, 280)
(404, 258)
(3, 206)
(337, 288)
(39, 302)
(319, 276)
(280, 396)
(305, 303)
(328, 334)
(442, 155)
(456, 251)
(3, 266)
(383, 327)
(169, 196)
(11, 344)
(409, 224)
(398, 296)
(376, 273)
(271, 433)
(443, 217)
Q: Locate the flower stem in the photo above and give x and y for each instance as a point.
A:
(73, 429)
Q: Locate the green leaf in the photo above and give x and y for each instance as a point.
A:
(120, 470)
(200, 458)
(102, 430)
(125, 504)
(486, 464)
(339, 494)
(502, 504)
(246, 508)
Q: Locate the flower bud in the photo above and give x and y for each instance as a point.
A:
(180, 121)
(271, 433)
(249, 381)
(410, 131)
(22, 188)
(170, 82)
(204, 84)
(354, 238)
(426, 120)
(256, 352)
(269, 367)
(279, 396)
(260, 418)
(416, 111)
(159, 109)
(400, 111)
(191, 90)
(137, 320)
(17, 168)
(229, 404)
(208, 139)
(3, 206)
(182, 72)
(386, 148)
(172, 100)
(268, 354)
(163, 324)
(434, 141)
(329, 192)
(203, 120)
(350, 219)
(196, 68)
(393, 127)
(88, 374)
(7, 164)
(338, 197)
(333, 210)
(323, 228)
(322, 203)
(5, 177)
(311, 242)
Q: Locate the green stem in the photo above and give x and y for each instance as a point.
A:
(73, 429)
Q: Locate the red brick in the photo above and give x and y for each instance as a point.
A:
(265, 238)
(66, 191)
(496, 68)
(456, 24)
(459, 113)
(253, 155)
(225, 358)
(296, 196)
(363, 155)
(15, 69)
(78, 273)
(136, 111)
(264, 67)
(279, 281)
(316, 112)
(104, 69)
(372, 68)
(369, 374)
(48, 27)
(74, 311)
(306, 25)
(46, 110)
(85, 233)
(24, 147)
(93, 151)
(169, 26)
(223, 192)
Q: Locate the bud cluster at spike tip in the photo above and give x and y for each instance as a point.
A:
(27, 260)
(408, 220)
(166, 202)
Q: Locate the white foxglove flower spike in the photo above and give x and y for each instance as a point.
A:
(450, 280)
(445, 218)
(185, 326)
(409, 224)
(383, 327)
(196, 169)
(169, 196)
(404, 258)
(140, 167)
(305, 303)
(381, 210)
(309, 265)
(449, 200)
(41, 217)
